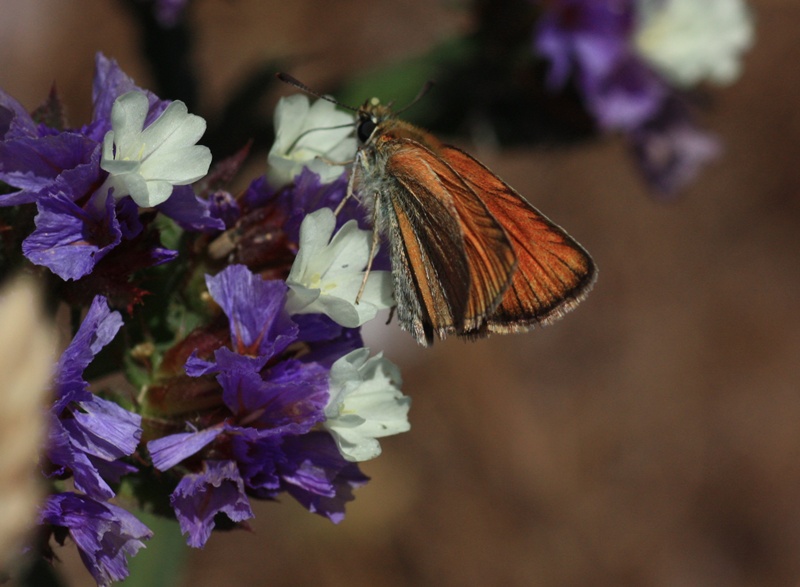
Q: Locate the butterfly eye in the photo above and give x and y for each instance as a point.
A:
(365, 129)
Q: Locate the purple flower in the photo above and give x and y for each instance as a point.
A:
(295, 201)
(199, 497)
(106, 535)
(670, 149)
(89, 435)
(272, 396)
(79, 222)
(309, 195)
(583, 37)
(190, 212)
(318, 476)
(69, 239)
(627, 96)
(592, 42)
(15, 122)
(266, 236)
(169, 12)
(225, 207)
(39, 166)
(258, 324)
(40, 160)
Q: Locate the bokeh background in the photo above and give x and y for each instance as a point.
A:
(651, 438)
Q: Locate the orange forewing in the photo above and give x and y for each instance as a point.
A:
(490, 256)
(553, 271)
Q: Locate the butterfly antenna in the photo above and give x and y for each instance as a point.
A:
(421, 94)
(292, 81)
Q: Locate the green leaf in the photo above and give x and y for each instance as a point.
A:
(170, 232)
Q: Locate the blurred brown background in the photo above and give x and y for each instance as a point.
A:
(650, 438)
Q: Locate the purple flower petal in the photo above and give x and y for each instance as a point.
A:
(317, 475)
(627, 97)
(260, 194)
(70, 240)
(100, 432)
(591, 41)
(289, 399)
(15, 122)
(226, 360)
(170, 450)
(127, 214)
(199, 497)
(670, 150)
(169, 12)
(189, 211)
(106, 535)
(88, 435)
(107, 430)
(258, 461)
(90, 456)
(197, 367)
(259, 324)
(98, 328)
(326, 345)
(309, 195)
(223, 205)
(316, 327)
(587, 35)
(66, 458)
(39, 166)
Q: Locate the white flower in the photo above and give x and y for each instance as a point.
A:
(309, 136)
(692, 40)
(365, 404)
(327, 273)
(145, 163)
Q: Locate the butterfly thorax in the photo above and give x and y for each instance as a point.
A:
(378, 127)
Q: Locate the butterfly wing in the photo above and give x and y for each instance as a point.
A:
(553, 271)
(431, 189)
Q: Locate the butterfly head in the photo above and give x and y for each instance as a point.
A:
(370, 117)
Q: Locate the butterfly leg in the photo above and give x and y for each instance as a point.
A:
(350, 186)
(372, 250)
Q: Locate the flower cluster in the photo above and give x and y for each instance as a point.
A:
(253, 375)
(632, 62)
(89, 438)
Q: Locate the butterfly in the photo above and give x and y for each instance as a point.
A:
(470, 256)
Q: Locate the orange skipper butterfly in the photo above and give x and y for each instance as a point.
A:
(470, 256)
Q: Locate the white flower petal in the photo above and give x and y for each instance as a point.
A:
(689, 41)
(311, 136)
(299, 298)
(179, 167)
(174, 129)
(127, 119)
(134, 185)
(157, 192)
(328, 272)
(146, 163)
(290, 114)
(365, 404)
(120, 167)
(315, 234)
